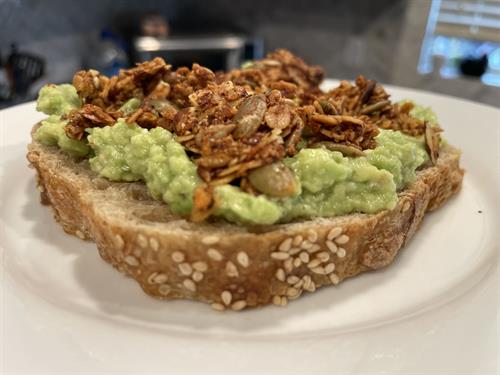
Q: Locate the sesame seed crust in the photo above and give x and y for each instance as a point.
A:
(271, 265)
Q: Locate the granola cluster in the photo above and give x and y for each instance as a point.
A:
(237, 126)
(280, 70)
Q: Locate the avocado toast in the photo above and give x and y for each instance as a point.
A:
(241, 188)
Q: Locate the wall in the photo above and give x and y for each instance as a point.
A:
(380, 39)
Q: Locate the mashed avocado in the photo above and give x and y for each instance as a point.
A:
(57, 99)
(336, 185)
(398, 154)
(52, 133)
(424, 113)
(127, 152)
(330, 183)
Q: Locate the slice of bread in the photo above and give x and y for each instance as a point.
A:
(227, 265)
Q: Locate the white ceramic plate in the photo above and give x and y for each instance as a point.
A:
(64, 309)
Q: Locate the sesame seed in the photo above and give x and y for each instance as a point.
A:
(189, 285)
(294, 250)
(297, 262)
(319, 270)
(40, 188)
(288, 265)
(197, 276)
(210, 240)
(164, 289)
(153, 242)
(310, 286)
(280, 274)
(185, 269)
(314, 248)
(137, 252)
(279, 255)
(151, 278)
(286, 244)
(214, 254)
(333, 233)
(292, 279)
(200, 266)
(298, 284)
(306, 245)
(331, 246)
(231, 269)
(160, 278)
(304, 257)
(131, 261)
(341, 253)
(297, 240)
(307, 284)
(323, 256)
(239, 305)
(292, 292)
(312, 236)
(80, 234)
(334, 278)
(329, 268)
(226, 297)
(342, 239)
(314, 263)
(284, 301)
(142, 241)
(406, 206)
(119, 242)
(277, 300)
(218, 307)
(242, 259)
(178, 257)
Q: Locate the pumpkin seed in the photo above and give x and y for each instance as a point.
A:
(344, 149)
(249, 116)
(161, 105)
(432, 140)
(214, 132)
(328, 107)
(214, 161)
(374, 107)
(370, 87)
(275, 180)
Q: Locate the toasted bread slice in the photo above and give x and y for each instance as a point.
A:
(227, 265)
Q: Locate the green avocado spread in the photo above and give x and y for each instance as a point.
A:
(330, 183)
(57, 99)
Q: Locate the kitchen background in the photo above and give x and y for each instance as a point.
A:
(445, 46)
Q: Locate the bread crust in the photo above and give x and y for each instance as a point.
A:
(225, 265)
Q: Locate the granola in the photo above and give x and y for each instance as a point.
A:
(238, 126)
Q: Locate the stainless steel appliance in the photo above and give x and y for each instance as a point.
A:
(218, 51)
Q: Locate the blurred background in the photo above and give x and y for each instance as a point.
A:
(445, 46)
